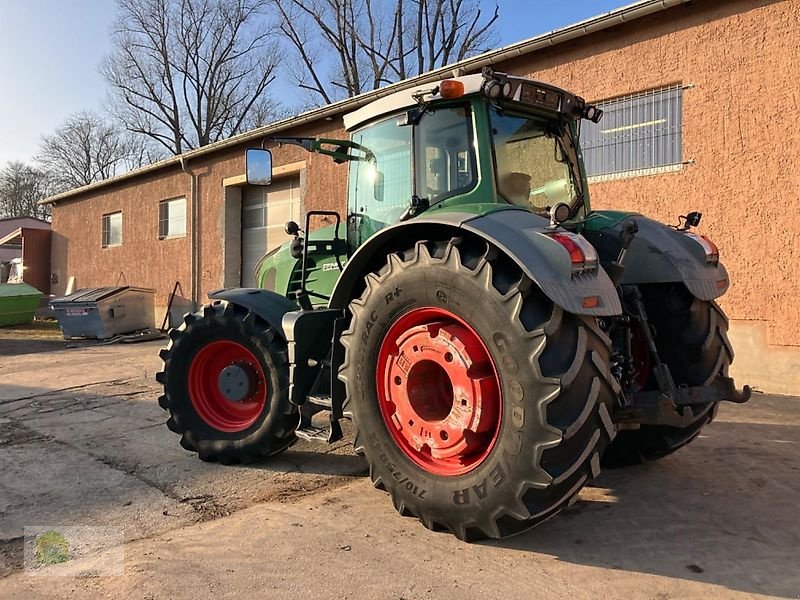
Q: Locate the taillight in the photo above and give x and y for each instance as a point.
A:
(581, 253)
(709, 247)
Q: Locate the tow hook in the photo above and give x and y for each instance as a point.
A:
(727, 390)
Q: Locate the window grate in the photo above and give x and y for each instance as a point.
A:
(638, 134)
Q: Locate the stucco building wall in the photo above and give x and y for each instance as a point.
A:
(738, 61)
(739, 133)
(144, 260)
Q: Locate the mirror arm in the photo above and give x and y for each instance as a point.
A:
(339, 153)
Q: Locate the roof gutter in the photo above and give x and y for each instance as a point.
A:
(581, 29)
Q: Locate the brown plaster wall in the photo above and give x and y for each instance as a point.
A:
(738, 129)
(143, 259)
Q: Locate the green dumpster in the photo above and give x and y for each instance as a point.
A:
(18, 303)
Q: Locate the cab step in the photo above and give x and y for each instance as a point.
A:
(323, 401)
(312, 433)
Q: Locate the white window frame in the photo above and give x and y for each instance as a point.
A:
(639, 134)
(106, 228)
(165, 224)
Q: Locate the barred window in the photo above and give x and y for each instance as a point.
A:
(112, 229)
(638, 134)
(172, 218)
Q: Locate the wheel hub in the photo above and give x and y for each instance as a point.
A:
(438, 391)
(236, 382)
(227, 386)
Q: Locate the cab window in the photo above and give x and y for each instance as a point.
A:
(445, 154)
(380, 189)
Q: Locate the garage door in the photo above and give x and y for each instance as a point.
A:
(265, 211)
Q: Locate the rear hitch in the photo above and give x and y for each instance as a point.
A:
(657, 408)
(727, 391)
(670, 404)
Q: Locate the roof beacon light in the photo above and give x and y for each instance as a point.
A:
(451, 89)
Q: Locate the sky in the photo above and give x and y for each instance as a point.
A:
(50, 51)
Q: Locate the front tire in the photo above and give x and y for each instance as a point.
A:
(480, 406)
(226, 385)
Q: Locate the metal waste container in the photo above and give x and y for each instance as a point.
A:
(18, 303)
(104, 312)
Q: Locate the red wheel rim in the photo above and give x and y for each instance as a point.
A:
(438, 391)
(208, 395)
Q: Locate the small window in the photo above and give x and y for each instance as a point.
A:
(639, 134)
(172, 218)
(112, 229)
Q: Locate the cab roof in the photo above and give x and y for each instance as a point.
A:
(521, 90)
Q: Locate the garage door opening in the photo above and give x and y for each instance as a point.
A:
(265, 211)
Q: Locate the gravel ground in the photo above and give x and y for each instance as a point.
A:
(82, 443)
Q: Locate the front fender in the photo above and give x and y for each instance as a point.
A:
(517, 232)
(266, 304)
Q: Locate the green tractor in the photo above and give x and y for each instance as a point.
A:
(493, 340)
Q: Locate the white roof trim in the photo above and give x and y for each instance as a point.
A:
(403, 99)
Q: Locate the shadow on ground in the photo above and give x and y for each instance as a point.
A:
(17, 347)
(722, 511)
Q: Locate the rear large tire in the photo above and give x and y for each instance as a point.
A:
(261, 421)
(506, 396)
(691, 338)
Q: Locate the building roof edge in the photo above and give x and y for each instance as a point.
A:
(577, 30)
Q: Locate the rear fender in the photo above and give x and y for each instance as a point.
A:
(518, 233)
(661, 254)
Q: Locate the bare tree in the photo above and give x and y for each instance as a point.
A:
(84, 150)
(21, 188)
(345, 47)
(140, 150)
(187, 73)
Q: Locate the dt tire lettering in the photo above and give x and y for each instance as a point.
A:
(481, 490)
(373, 317)
(402, 480)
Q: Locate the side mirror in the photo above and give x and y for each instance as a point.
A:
(378, 187)
(258, 166)
(291, 228)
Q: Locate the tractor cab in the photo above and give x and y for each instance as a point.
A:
(471, 144)
(464, 144)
